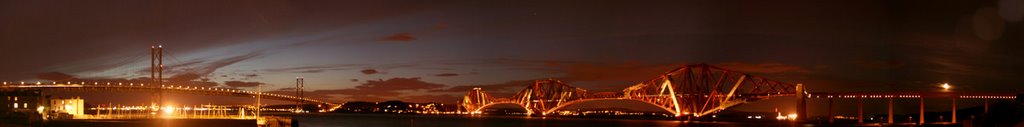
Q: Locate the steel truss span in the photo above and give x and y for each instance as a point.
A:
(692, 90)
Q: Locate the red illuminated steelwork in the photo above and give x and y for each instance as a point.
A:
(697, 90)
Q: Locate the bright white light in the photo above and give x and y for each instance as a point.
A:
(946, 86)
(168, 110)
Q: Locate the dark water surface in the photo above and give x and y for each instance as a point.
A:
(395, 120)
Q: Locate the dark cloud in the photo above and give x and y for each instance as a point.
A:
(125, 36)
(185, 77)
(250, 75)
(439, 26)
(878, 64)
(364, 98)
(404, 37)
(501, 89)
(613, 72)
(192, 63)
(623, 71)
(389, 88)
(241, 84)
(189, 79)
(307, 94)
(55, 76)
(212, 66)
(286, 89)
(764, 68)
(314, 69)
(371, 90)
(369, 71)
(311, 71)
(339, 67)
(577, 70)
(443, 98)
(446, 74)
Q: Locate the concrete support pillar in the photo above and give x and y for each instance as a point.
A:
(98, 109)
(110, 112)
(831, 118)
(954, 108)
(986, 106)
(890, 111)
(860, 109)
(921, 117)
(801, 107)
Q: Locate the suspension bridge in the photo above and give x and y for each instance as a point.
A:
(156, 86)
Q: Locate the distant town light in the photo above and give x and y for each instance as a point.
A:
(946, 86)
(169, 110)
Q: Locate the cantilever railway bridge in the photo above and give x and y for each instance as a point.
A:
(695, 91)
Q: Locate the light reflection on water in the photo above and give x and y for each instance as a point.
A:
(393, 120)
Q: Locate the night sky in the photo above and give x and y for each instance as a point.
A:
(435, 51)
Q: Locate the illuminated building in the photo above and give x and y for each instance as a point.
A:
(19, 101)
(73, 106)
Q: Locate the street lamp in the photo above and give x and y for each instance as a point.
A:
(946, 86)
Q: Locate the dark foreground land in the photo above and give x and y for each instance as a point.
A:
(404, 120)
(152, 123)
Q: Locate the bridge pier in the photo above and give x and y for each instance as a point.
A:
(986, 106)
(860, 110)
(954, 109)
(831, 118)
(921, 117)
(801, 107)
(890, 110)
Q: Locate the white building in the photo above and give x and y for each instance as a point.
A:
(73, 106)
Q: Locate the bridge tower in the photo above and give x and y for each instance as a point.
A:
(156, 74)
(299, 83)
(801, 105)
